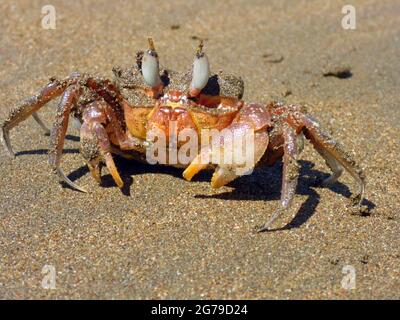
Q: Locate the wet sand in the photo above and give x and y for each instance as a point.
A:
(163, 237)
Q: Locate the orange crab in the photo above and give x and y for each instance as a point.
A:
(117, 116)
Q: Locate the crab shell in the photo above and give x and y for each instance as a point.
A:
(214, 108)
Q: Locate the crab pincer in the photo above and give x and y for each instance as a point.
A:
(235, 150)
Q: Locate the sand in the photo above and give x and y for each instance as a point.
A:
(164, 237)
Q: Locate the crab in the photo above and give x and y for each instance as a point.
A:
(115, 117)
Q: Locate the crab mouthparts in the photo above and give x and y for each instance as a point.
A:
(174, 99)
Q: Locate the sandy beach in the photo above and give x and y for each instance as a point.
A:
(162, 237)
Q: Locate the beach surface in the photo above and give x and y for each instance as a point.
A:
(163, 237)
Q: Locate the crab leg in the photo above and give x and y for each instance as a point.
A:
(289, 176)
(29, 107)
(96, 146)
(105, 149)
(334, 155)
(95, 141)
(332, 163)
(40, 123)
(59, 130)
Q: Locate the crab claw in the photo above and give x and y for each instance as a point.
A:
(236, 149)
(201, 72)
(222, 176)
(234, 155)
(195, 167)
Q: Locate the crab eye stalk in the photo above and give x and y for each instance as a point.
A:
(201, 72)
(150, 67)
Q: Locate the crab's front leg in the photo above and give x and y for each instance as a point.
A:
(67, 102)
(96, 147)
(95, 142)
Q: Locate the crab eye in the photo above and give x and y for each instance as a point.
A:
(150, 66)
(201, 72)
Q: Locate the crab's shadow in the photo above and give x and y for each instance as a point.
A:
(130, 168)
(265, 184)
(126, 169)
(46, 151)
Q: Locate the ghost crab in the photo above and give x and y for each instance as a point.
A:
(115, 117)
